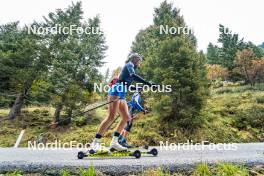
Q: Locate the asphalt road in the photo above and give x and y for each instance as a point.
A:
(51, 161)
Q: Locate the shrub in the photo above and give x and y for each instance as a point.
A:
(65, 172)
(14, 173)
(156, 172)
(231, 170)
(250, 118)
(260, 99)
(239, 89)
(88, 172)
(37, 111)
(224, 90)
(45, 113)
(5, 102)
(202, 170)
(80, 121)
(217, 83)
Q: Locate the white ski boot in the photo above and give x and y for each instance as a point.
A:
(96, 144)
(116, 146)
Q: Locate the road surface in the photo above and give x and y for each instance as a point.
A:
(174, 159)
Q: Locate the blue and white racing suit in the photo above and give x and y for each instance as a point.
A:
(134, 105)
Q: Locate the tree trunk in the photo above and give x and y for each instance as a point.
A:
(59, 108)
(254, 77)
(16, 108)
(69, 113)
(249, 79)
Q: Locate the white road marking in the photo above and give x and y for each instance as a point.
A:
(19, 139)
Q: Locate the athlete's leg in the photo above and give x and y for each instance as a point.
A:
(126, 130)
(112, 109)
(123, 110)
(128, 127)
(124, 133)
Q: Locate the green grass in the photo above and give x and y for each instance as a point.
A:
(33, 120)
(226, 169)
(220, 169)
(158, 172)
(88, 172)
(14, 173)
(229, 117)
(65, 172)
(202, 169)
(260, 99)
(239, 89)
(3, 113)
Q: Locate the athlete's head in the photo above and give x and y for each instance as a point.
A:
(135, 58)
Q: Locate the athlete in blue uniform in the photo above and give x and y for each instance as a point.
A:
(135, 105)
(117, 94)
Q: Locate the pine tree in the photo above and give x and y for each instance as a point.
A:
(230, 45)
(213, 54)
(24, 58)
(172, 59)
(75, 59)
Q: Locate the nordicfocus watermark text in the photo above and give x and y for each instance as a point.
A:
(189, 145)
(175, 30)
(57, 144)
(166, 29)
(122, 87)
(58, 29)
(204, 145)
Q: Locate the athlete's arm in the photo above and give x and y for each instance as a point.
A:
(136, 77)
(140, 79)
(137, 104)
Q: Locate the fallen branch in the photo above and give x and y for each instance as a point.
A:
(3, 119)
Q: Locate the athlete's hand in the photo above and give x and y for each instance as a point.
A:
(145, 111)
(136, 116)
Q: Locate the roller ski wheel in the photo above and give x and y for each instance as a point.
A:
(81, 155)
(146, 150)
(112, 150)
(154, 152)
(136, 154)
(92, 151)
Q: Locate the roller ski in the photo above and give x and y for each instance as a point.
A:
(115, 150)
(145, 150)
(108, 153)
(136, 152)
